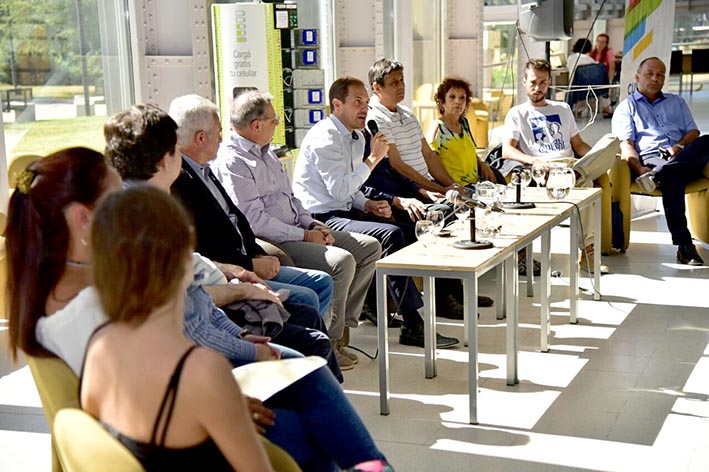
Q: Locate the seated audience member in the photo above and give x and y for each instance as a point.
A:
(409, 153)
(141, 142)
(327, 179)
(660, 140)
(451, 137)
(223, 232)
(602, 54)
(51, 213)
(141, 378)
(542, 130)
(255, 180)
(48, 254)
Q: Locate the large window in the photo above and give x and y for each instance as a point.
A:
(59, 60)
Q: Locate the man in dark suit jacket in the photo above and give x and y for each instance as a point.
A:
(223, 232)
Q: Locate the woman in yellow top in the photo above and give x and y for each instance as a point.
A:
(451, 136)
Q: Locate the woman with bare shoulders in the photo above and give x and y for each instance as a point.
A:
(174, 405)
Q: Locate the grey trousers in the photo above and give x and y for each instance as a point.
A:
(350, 262)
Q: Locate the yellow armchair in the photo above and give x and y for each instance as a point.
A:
(696, 193)
(58, 388)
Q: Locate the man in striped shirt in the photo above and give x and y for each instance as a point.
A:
(409, 153)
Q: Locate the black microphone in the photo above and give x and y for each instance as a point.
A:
(461, 199)
(373, 128)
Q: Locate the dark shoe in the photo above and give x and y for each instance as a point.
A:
(449, 308)
(371, 316)
(453, 310)
(522, 267)
(484, 302)
(689, 255)
(414, 337)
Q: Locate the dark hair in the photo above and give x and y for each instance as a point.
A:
(340, 89)
(450, 83)
(382, 68)
(137, 139)
(140, 238)
(37, 235)
(537, 64)
(582, 46)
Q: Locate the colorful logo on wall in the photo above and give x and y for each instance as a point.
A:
(639, 31)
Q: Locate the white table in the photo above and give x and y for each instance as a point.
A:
(520, 228)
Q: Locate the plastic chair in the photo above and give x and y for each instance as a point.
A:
(697, 195)
(58, 388)
(85, 446)
(280, 460)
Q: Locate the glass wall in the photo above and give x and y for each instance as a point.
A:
(499, 68)
(55, 64)
(428, 53)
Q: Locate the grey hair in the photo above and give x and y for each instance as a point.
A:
(249, 106)
(192, 114)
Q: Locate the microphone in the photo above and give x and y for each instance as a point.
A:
(373, 128)
(461, 199)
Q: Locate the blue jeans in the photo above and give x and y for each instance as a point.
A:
(317, 425)
(307, 287)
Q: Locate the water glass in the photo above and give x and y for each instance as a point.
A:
(437, 220)
(539, 173)
(424, 231)
(462, 212)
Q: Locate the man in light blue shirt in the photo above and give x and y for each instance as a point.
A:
(327, 179)
(661, 143)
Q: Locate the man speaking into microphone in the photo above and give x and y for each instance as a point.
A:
(327, 178)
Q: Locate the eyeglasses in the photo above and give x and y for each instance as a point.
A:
(273, 118)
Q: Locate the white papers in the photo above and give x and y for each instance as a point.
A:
(262, 380)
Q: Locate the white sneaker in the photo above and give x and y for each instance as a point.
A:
(647, 182)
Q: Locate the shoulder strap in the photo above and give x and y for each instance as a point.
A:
(170, 396)
(83, 362)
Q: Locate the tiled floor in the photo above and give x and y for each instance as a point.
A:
(626, 389)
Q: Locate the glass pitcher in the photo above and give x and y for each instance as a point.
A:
(561, 180)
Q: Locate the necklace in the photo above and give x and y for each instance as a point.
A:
(73, 263)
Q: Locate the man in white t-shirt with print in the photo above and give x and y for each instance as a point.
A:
(542, 130)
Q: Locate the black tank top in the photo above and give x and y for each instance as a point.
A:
(154, 456)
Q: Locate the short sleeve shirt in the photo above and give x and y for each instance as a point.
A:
(543, 132)
(402, 129)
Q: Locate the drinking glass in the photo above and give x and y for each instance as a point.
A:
(424, 231)
(462, 212)
(437, 220)
(539, 173)
(487, 192)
